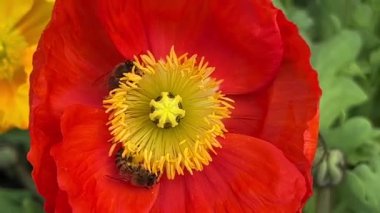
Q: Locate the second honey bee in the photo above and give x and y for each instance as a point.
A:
(133, 172)
(118, 73)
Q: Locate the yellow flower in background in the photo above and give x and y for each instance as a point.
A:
(21, 24)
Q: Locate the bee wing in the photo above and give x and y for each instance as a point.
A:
(101, 77)
(120, 179)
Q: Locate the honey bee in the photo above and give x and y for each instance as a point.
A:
(134, 173)
(118, 72)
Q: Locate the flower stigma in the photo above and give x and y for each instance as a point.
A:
(168, 113)
(166, 110)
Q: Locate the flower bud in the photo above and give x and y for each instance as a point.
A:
(328, 168)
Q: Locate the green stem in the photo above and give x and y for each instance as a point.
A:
(323, 200)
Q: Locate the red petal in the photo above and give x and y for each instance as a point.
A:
(72, 53)
(62, 203)
(284, 109)
(43, 135)
(85, 171)
(249, 113)
(240, 38)
(294, 95)
(311, 138)
(282, 114)
(247, 175)
(73, 58)
(293, 101)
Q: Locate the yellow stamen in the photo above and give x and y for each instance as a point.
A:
(164, 91)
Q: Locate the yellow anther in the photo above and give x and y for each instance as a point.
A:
(138, 118)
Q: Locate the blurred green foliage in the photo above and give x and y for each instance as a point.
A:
(344, 36)
(17, 191)
(17, 200)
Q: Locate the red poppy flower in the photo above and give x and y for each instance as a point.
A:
(241, 145)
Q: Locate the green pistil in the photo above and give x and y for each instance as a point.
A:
(166, 110)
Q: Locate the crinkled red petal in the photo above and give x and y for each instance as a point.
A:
(249, 113)
(74, 58)
(240, 38)
(311, 138)
(294, 101)
(43, 132)
(62, 203)
(72, 54)
(85, 171)
(288, 104)
(285, 113)
(247, 175)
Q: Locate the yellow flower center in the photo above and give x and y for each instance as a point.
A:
(166, 110)
(168, 113)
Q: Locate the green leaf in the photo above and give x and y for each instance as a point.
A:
(374, 58)
(301, 18)
(353, 70)
(17, 137)
(311, 204)
(350, 135)
(335, 53)
(339, 92)
(17, 200)
(338, 7)
(338, 96)
(364, 187)
(31, 206)
(356, 138)
(376, 134)
(278, 4)
(363, 15)
(364, 153)
(375, 5)
(8, 157)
